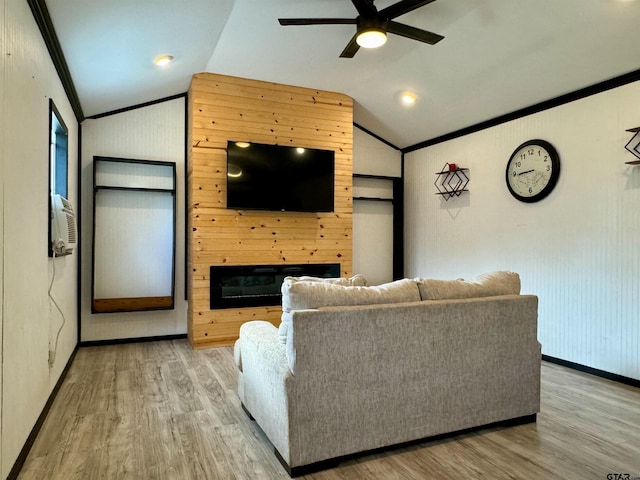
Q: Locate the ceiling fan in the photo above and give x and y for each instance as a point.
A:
(372, 25)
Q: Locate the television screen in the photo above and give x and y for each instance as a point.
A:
(273, 177)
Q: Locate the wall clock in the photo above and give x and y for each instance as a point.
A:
(533, 171)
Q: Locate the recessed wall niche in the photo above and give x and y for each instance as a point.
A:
(223, 108)
(134, 235)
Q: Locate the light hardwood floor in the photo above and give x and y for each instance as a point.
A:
(161, 410)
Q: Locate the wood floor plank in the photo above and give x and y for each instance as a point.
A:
(204, 454)
(161, 410)
(182, 390)
(156, 447)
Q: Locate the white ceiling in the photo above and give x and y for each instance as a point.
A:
(498, 56)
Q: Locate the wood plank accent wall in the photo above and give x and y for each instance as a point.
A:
(223, 108)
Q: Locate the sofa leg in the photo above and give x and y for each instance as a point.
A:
(310, 468)
(247, 412)
(520, 420)
(290, 471)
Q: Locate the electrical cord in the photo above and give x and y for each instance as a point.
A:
(52, 352)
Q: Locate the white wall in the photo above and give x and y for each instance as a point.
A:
(29, 320)
(155, 132)
(3, 154)
(578, 249)
(372, 220)
(373, 157)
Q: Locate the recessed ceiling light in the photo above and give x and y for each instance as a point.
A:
(371, 38)
(408, 98)
(300, 150)
(243, 144)
(163, 60)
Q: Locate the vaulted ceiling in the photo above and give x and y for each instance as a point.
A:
(498, 56)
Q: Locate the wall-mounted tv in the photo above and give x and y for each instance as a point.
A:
(279, 178)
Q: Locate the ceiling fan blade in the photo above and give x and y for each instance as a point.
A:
(316, 21)
(402, 7)
(365, 8)
(413, 33)
(351, 49)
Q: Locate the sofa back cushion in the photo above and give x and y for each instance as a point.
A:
(357, 280)
(486, 285)
(302, 295)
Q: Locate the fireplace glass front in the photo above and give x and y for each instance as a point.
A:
(235, 286)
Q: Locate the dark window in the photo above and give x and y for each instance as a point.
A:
(58, 140)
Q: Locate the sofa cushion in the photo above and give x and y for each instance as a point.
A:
(486, 285)
(301, 295)
(358, 280)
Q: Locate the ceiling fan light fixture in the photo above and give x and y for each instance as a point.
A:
(371, 38)
(163, 60)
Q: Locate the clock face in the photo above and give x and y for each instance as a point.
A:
(533, 171)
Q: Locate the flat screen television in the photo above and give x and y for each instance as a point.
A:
(279, 178)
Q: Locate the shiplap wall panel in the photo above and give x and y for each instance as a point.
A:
(133, 244)
(372, 187)
(373, 240)
(29, 320)
(223, 108)
(153, 132)
(373, 247)
(577, 249)
(373, 157)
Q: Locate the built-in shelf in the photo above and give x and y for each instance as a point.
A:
(135, 189)
(374, 199)
(134, 235)
(376, 177)
(451, 181)
(375, 188)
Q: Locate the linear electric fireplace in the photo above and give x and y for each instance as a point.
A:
(258, 285)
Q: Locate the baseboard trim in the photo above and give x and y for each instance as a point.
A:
(593, 371)
(26, 448)
(333, 462)
(121, 341)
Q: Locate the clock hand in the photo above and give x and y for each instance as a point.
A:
(539, 177)
(528, 171)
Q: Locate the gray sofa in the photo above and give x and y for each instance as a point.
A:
(353, 369)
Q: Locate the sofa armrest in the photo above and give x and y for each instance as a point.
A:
(260, 338)
(265, 381)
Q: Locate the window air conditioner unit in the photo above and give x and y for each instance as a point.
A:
(64, 235)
